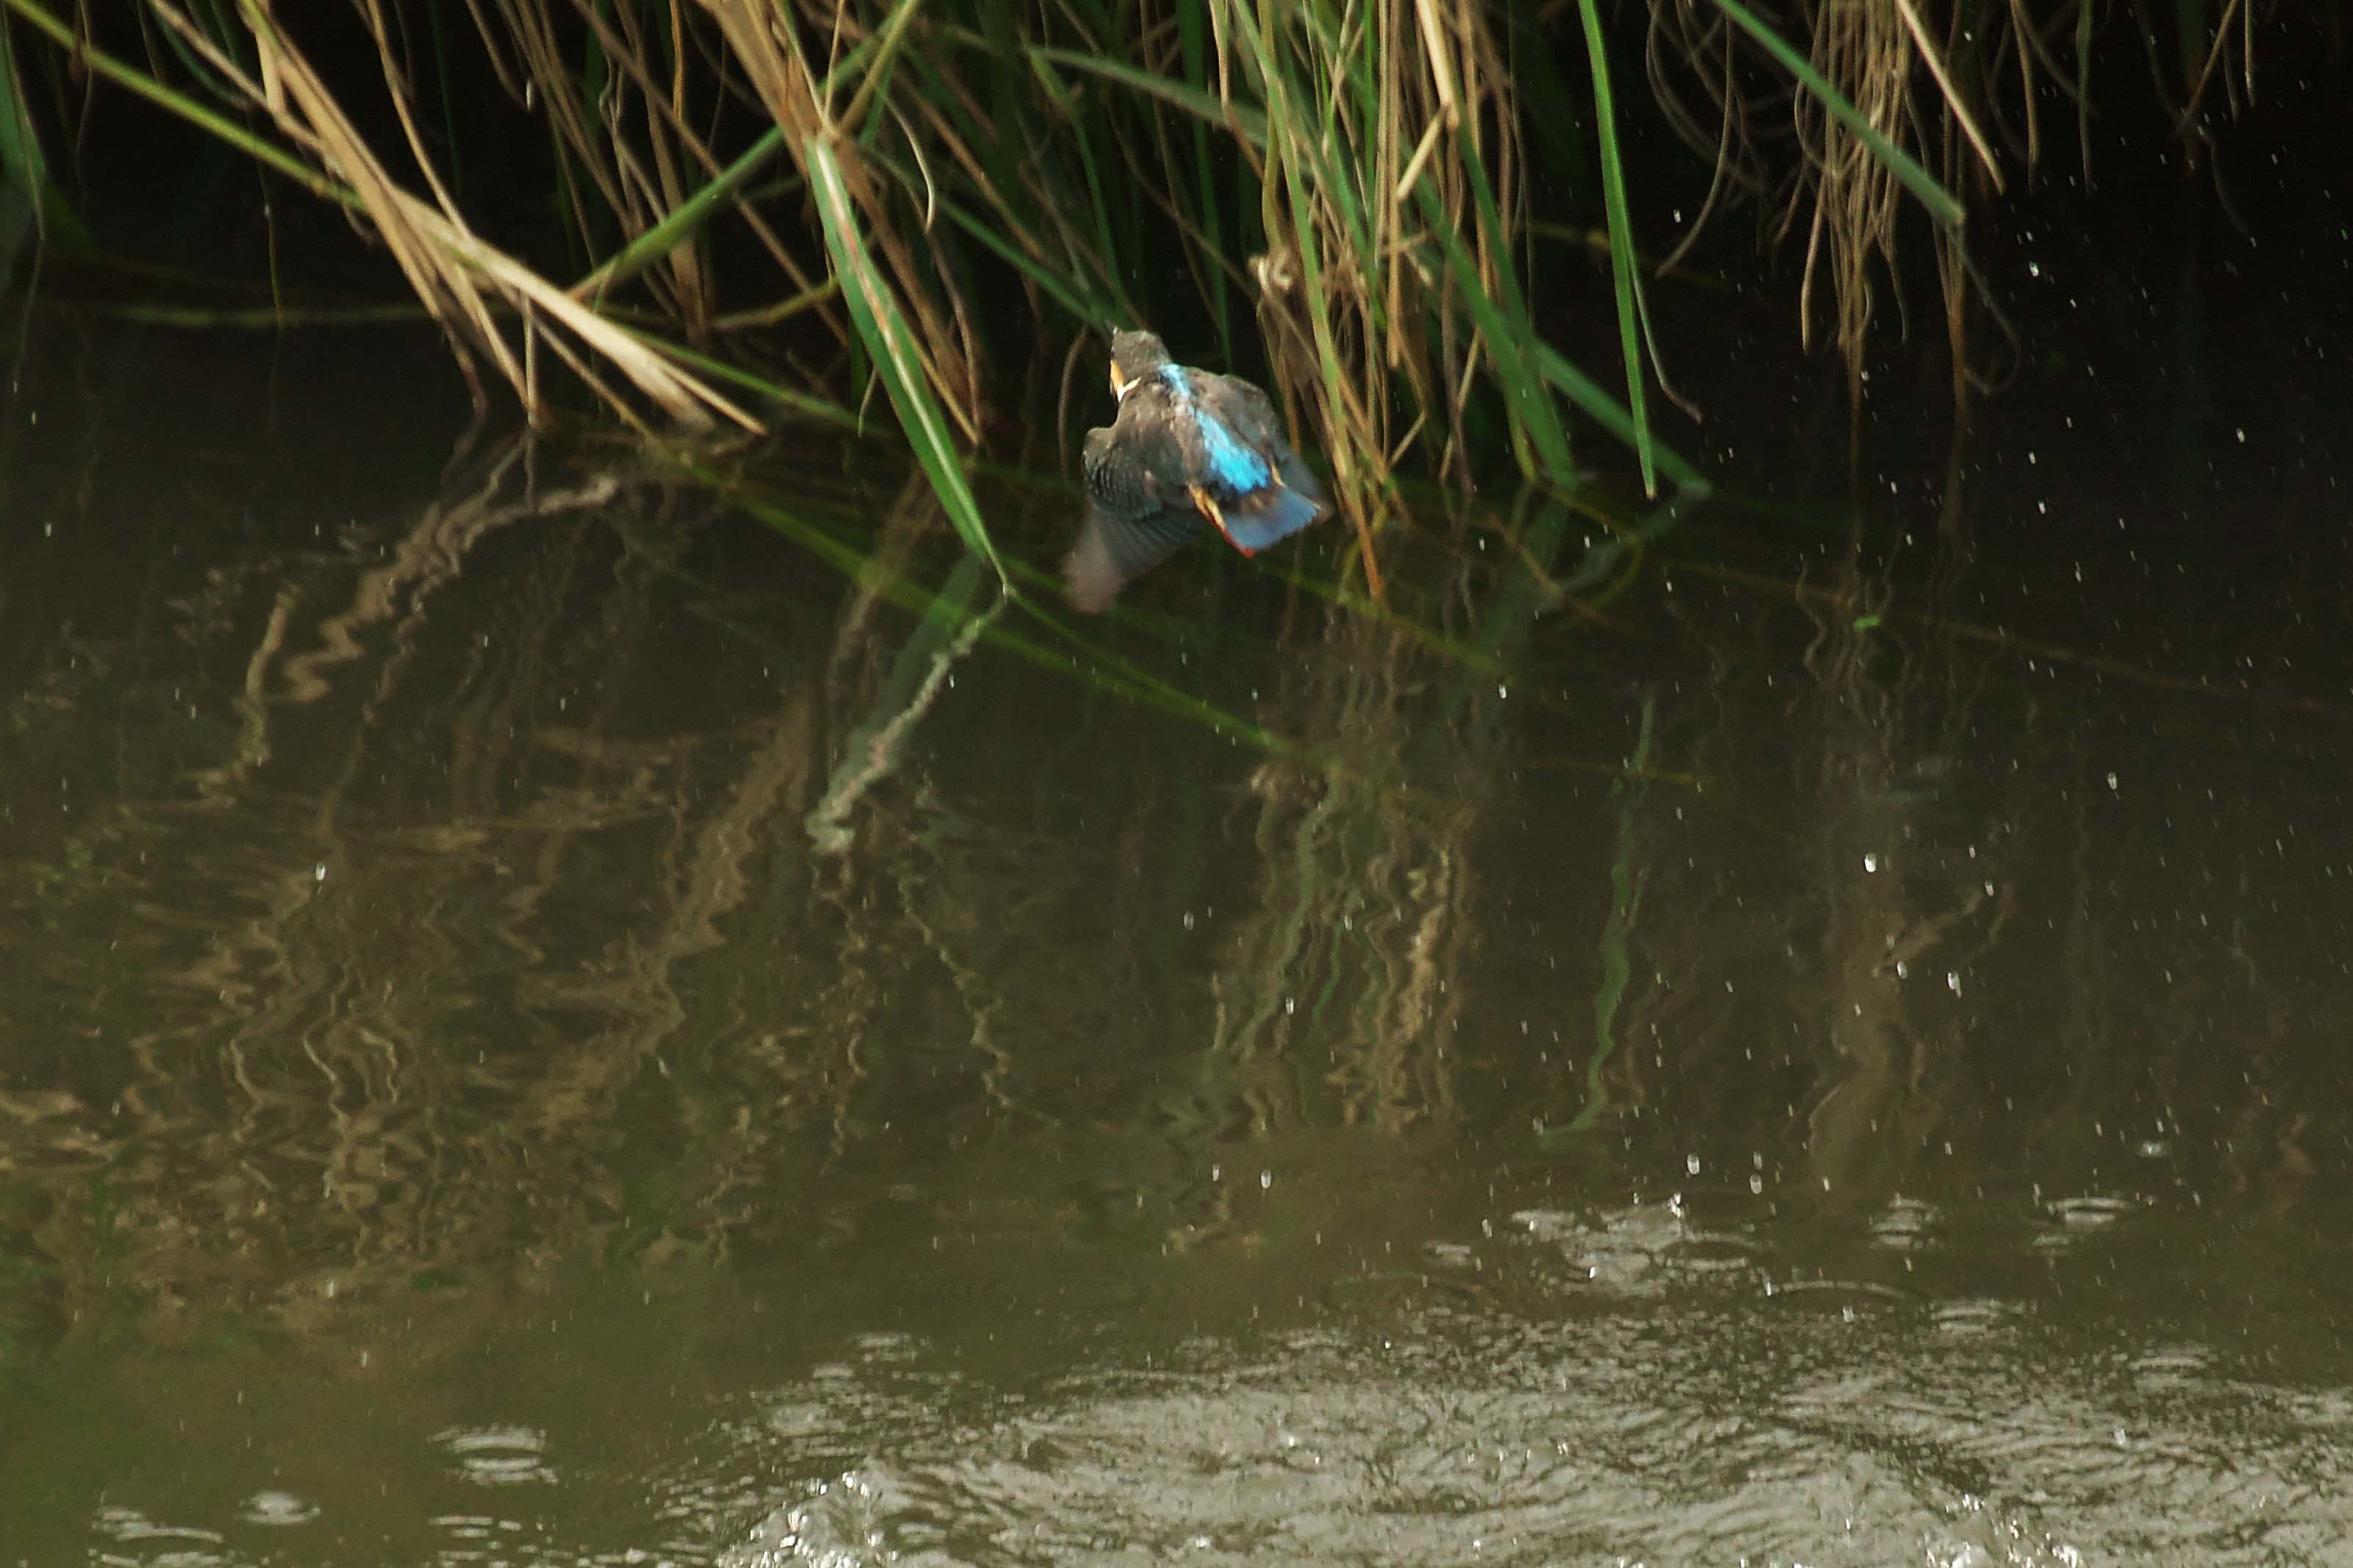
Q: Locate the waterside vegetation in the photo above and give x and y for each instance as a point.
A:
(1386, 209)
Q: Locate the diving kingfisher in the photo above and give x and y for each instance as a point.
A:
(1186, 447)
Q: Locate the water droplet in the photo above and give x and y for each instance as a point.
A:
(1871, 862)
(497, 1456)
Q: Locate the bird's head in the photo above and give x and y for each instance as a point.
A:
(1133, 356)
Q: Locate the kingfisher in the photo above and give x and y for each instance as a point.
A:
(1188, 447)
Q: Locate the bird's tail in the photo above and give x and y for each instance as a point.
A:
(1266, 515)
(1293, 469)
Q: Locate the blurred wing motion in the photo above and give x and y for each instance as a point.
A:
(1138, 514)
(1112, 552)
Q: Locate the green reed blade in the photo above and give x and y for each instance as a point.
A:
(1248, 121)
(807, 403)
(1554, 116)
(1528, 406)
(649, 248)
(1317, 132)
(25, 168)
(1105, 202)
(257, 317)
(1107, 671)
(1296, 164)
(1589, 398)
(891, 346)
(1193, 52)
(143, 85)
(1625, 907)
(1491, 228)
(1503, 322)
(1624, 272)
(1001, 150)
(1923, 185)
(887, 42)
(1089, 305)
(217, 25)
(684, 220)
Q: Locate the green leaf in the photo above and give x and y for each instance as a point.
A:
(892, 345)
(683, 221)
(1249, 123)
(1624, 272)
(1502, 326)
(25, 168)
(1589, 398)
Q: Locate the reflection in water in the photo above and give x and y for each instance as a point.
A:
(1910, 884)
(548, 1021)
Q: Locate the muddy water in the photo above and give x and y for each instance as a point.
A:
(551, 1015)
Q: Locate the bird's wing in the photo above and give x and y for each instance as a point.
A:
(1114, 551)
(1242, 404)
(1250, 413)
(1148, 442)
(1139, 512)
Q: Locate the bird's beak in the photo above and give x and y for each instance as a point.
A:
(1118, 381)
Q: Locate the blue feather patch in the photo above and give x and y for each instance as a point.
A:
(1231, 464)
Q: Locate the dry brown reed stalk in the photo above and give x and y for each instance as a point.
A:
(1390, 174)
(765, 44)
(1868, 51)
(455, 273)
(1361, 162)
